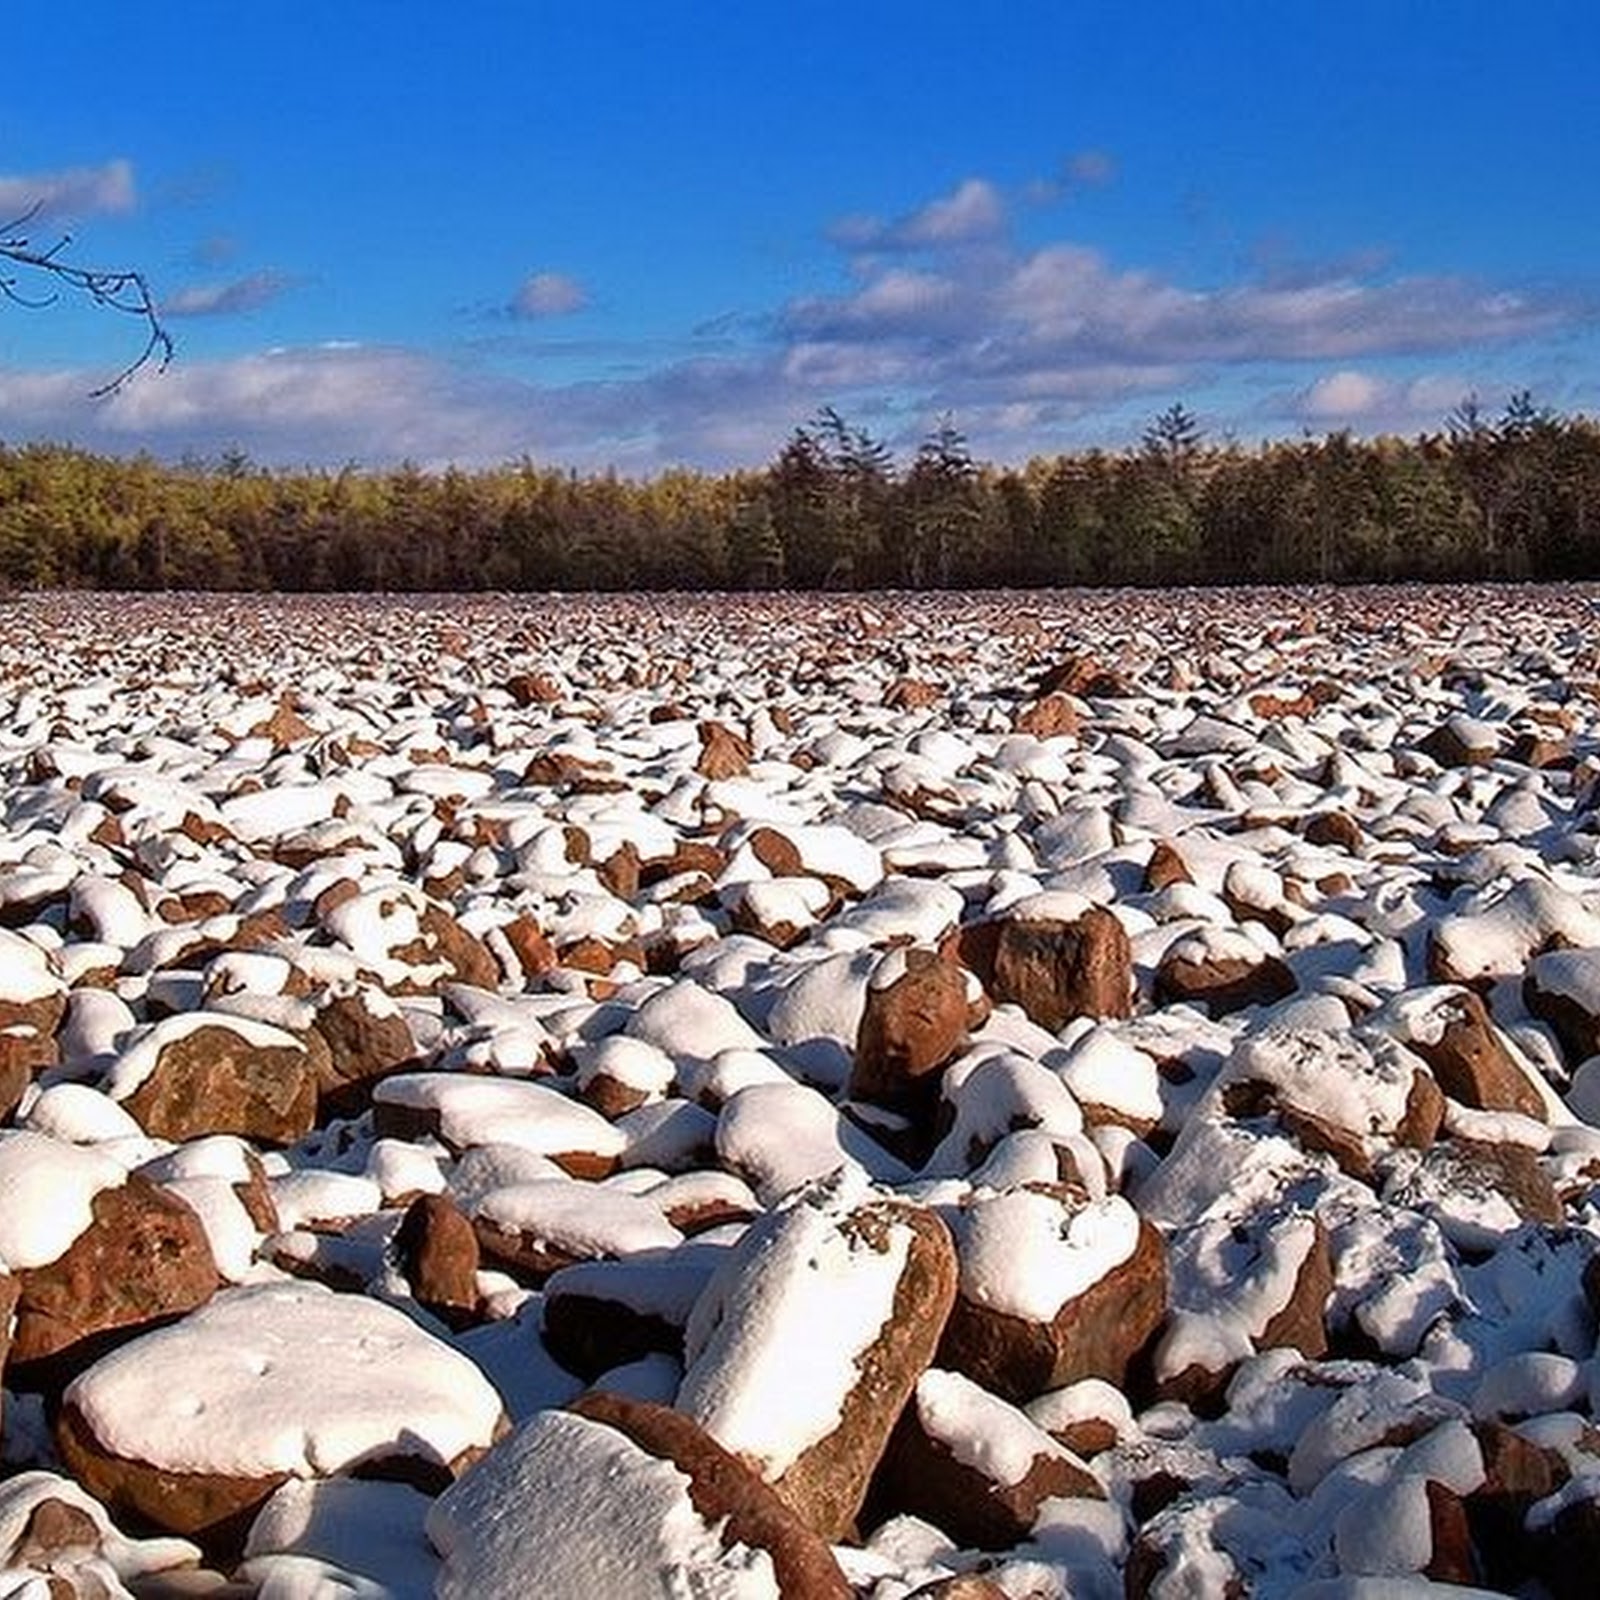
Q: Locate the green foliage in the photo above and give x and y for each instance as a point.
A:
(1517, 495)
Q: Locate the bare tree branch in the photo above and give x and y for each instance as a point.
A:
(117, 290)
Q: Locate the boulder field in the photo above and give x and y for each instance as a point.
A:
(1050, 1095)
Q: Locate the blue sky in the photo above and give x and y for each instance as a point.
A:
(644, 235)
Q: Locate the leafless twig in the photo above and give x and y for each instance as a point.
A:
(118, 290)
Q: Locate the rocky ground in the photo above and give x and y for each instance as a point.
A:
(1039, 1095)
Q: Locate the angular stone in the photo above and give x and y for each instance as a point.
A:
(826, 1482)
(1223, 984)
(1455, 743)
(24, 1053)
(723, 753)
(936, 1466)
(577, 1502)
(365, 1043)
(533, 689)
(1563, 989)
(1164, 868)
(910, 694)
(1060, 970)
(215, 1080)
(1336, 830)
(1096, 1333)
(1471, 1063)
(1517, 1473)
(145, 1258)
(438, 1252)
(726, 1494)
(910, 1028)
(1051, 716)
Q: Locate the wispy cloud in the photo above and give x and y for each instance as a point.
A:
(972, 210)
(69, 192)
(548, 294)
(1083, 169)
(249, 293)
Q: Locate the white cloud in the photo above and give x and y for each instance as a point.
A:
(249, 293)
(973, 210)
(548, 294)
(1343, 396)
(71, 192)
(1370, 404)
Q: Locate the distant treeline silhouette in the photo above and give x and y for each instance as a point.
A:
(1511, 496)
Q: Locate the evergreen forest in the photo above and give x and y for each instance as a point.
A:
(1514, 495)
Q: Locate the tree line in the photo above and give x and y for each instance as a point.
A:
(1514, 495)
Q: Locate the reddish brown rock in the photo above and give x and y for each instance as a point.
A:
(1449, 745)
(590, 955)
(1511, 1171)
(699, 858)
(1516, 1473)
(1060, 970)
(1417, 1128)
(143, 1259)
(727, 1494)
(1532, 749)
(1274, 707)
(1548, 993)
(285, 726)
(826, 1484)
(1084, 676)
(215, 1080)
(778, 853)
(533, 950)
(561, 769)
(930, 1469)
(24, 1053)
(1301, 1324)
(213, 1509)
(366, 1041)
(10, 1293)
(1335, 829)
(1472, 1064)
(255, 1195)
(611, 1096)
(533, 689)
(619, 872)
(910, 694)
(1049, 717)
(1096, 1334)
(438, 1253)
(444, 939)
(1453, 1559)
(1222, 984)
(909, 1029)
(1164, 868)
(1424, 1114)
(749, 916)
(723, 753)
(194, 907)
(41, 1016)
